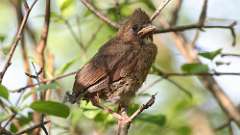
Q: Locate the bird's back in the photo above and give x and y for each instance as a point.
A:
(115, 72)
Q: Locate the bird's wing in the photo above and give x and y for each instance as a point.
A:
(106, 66)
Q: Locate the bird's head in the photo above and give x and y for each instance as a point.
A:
(133, 27)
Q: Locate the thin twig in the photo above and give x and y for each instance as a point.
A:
(124, 124)
(175, 13)
(189, 94)
(26, 65)
(160, 8)
(99, 14)
(32, 128)
(224, 125)
(149, 103)
(45, 81)
(18, 37)
(194, 26)
(94, 36)
(10, 119)
(81, 45)
(203, 14)
(229, 55)
(41, 47)
(215, 73)
(43, 39)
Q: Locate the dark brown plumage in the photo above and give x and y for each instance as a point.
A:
(120, 66)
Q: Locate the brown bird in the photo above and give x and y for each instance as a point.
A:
(120, 66)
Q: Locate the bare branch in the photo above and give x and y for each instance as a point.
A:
(45, 81)
(124, 124)
(199, 26)
(203, 14)
(149, 103)
(160, 8)
(175, 12)
(230, 55)
(16, 40)
(99, 14)
(81, 45)
(44, 36)
(32, 128)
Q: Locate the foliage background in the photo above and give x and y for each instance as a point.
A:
(174, 112)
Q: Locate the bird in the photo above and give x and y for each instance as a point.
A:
(119, 68)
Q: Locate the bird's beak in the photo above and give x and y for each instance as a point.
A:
(147, 30)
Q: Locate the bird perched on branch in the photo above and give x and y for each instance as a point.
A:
(120, 66)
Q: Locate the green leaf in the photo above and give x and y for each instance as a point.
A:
(47, 86)
(159, 119)
(90, 111)
(2, 37)
(67, 7)
(64, 4)
(210, 55)
(22, 121)
(65, 67)
(195, 68)
(6, 50)
(4, 92)
(184, 130)
(51, 108)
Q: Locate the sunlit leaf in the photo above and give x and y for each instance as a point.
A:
(210, 55)
(51, 108)
(22, 121)
(91, 114)
(6, 49)
(132, 108)
(159, 119)
(64, 4)
(184, 130)
(4, 92)
(2, 37)
(89, 110)
(66, 7)
(195, 68)
(105, 119)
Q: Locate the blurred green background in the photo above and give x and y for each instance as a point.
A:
(174, 113)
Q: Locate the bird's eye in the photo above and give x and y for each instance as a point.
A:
(135, 28)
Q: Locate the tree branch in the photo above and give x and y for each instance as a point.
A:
(199, 26)
(18, 37)
(160, 8)
(99, 14)
(45, 81)
(32, 128)
(124, 124)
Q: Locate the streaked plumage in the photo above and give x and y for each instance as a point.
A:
(120, 66)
